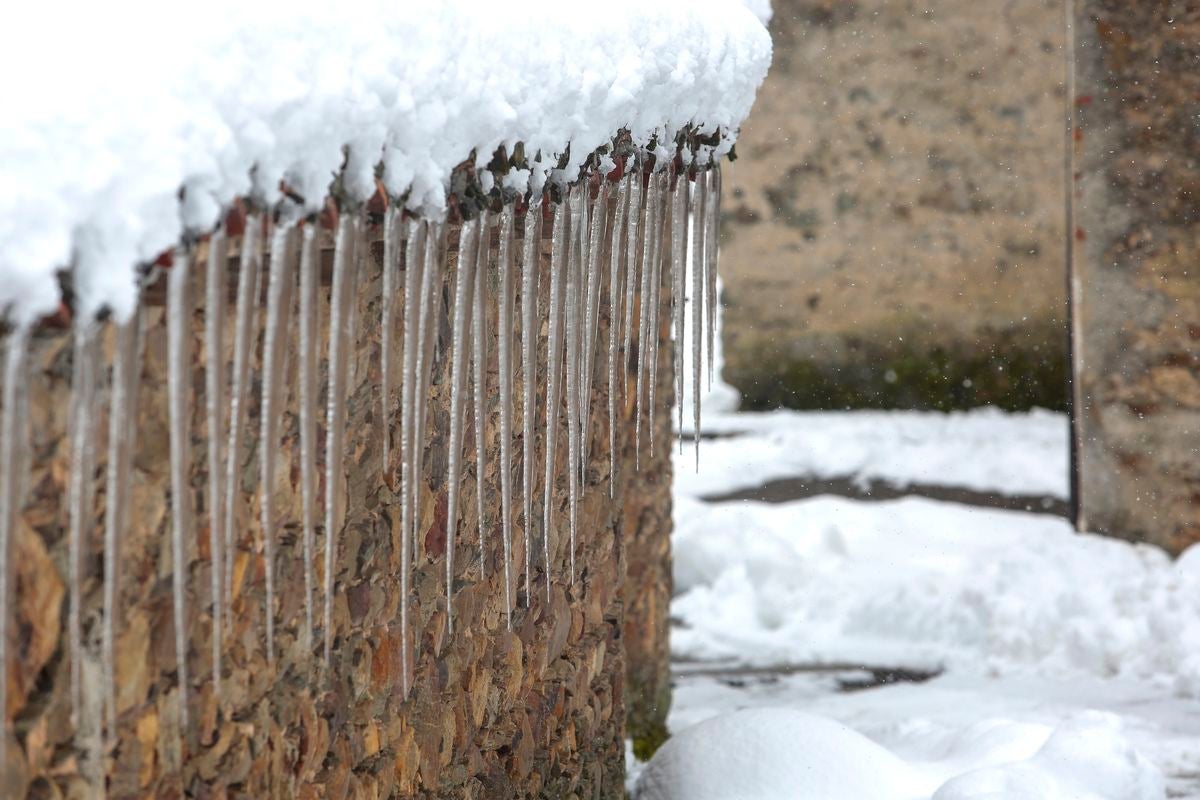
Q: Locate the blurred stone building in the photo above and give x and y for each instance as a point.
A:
(894, 229)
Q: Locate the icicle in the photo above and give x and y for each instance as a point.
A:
(614, 317)
(14, 441)
(122, 428)
(504, 329)
(179, 366)
(244, 335)
(279, 307)
(644, 332)
(479, 362)
(214, 393)
(697, 222)
(80, 493)
(713, 192)
(679, 206)
(469, 238)
(558, 274)
(391, 252)
(530, 328)
(341, 334)
(633, 244)
(663, 191)
(576, 256)
(310, 282)
(591, 320)
(413, 268)
(431, 284)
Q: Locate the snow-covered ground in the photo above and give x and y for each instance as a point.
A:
(1063, 665)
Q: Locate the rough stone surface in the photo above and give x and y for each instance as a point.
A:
(893, 231)
(1136, 261)
(536, 712)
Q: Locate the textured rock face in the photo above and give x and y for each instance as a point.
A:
(1136, 255)
(538, 711)
(894, 228)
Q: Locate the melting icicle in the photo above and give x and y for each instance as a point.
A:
(431, 282)
(414, 256)
(14, 433)
(279, 306)
(678, 283)
(614, 316)
(713, 192)
(530, 254)
(214, 393)
(591, 322)
(663, 191)
(81, 494)
(576, 255)
(244, 335)
(341, 334)
(122, 427)
(554, 350)
(179, 365)
(468, 240)
(633, 244)
(644, 332)
(310, 280)
(391, 252)
(479, 361)
(504, 330)
(697, 222)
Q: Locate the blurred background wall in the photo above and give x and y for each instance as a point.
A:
(894, 229)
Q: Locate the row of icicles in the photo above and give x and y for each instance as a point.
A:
(655, 222)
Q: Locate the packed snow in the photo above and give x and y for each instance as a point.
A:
(1042, 664)
(226, 99)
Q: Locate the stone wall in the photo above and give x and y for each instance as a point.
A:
(894, 226)
(1136, 268)
(538, 711)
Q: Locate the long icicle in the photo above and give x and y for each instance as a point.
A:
(341, 329)
(679, 208)
(214, 395)
(179, 365)
(576, 256)
(697, 300)
(244, 335)
(530, 328)
(468, 240)
(122, 428)
(614, 328)
(310, 282)
(710, 263)
(558, 274)
(595, 271)
(414, 256)
(80, 495)
(660, 225)
(644, 312)
(391, 253)
(633, 245)
(504, 330)
(279, 305)
(431, 287)
(14, 441)
(479, 363)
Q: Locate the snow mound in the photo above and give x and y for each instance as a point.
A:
(225, 99)
(775, 754)
(783, 754)
(917, 582)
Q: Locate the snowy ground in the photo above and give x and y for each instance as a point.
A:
(1002, 631)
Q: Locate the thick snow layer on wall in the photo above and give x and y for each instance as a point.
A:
(109, 109)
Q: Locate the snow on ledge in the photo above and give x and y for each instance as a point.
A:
(111, 109)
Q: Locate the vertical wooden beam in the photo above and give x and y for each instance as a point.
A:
(1135, 265)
